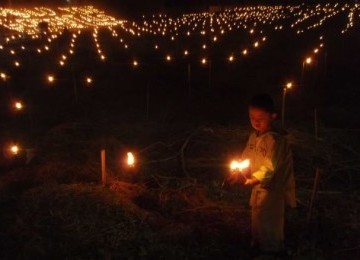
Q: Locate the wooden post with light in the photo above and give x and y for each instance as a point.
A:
(285, 89)
(103, 167)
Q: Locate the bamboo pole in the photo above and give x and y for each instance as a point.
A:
(103, 167)
(316, 125)
(283, 109)
(313, 194)
(148, 101)
(189, 79)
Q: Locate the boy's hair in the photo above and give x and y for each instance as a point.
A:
(263, 101)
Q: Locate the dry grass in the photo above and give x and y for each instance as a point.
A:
(56, 208)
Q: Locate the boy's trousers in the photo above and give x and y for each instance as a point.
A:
(267, 219)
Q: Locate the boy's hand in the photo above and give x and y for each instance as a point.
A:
(236, 177)
(246, 173)
(251, 181)
(233, 178)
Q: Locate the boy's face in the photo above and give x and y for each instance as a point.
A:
(260, 119)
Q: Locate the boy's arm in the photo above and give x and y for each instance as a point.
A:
(251, 181)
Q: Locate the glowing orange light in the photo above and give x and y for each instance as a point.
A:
(89, 80)
(239, 165)
(308, 60)
(3, 76)
(130, 159)
(50, 78)
(14, 149)
(18, 105)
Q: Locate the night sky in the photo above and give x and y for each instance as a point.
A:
(136, 7)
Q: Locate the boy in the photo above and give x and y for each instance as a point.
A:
(271, 176)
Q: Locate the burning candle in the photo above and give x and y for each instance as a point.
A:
(18, 105)
(50, 78)
(239, 165)
(14, 149)
(130, 159)
(3, 76)
(89, 80)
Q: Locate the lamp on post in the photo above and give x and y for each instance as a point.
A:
(287, 87)
(3, 76)
(307, 61)
(205, 61)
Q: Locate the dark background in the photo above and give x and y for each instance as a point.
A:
(130, 7)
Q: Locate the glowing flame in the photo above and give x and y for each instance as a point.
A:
(89, 80)
(18, 105)
(239, 166)
(3, 76)
(130, 159)
(14, 149)
(50, 78)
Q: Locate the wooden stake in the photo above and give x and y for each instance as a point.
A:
(189, 80)
(313, 194)
(210, 68)
(316, 125)
(148, 101)
(103, 166)
(283, 109)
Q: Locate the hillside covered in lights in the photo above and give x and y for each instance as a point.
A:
(27, 20)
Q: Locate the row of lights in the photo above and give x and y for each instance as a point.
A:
(27, 20)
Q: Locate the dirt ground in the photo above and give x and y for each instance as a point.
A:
(56, 207)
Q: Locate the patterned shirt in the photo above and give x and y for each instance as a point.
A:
(271, 163)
